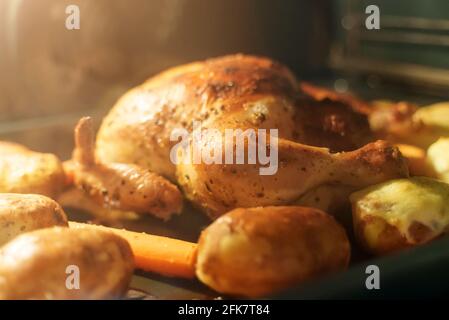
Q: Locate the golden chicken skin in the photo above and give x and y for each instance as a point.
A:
(401, 213)
(26, 171)
(258, 251)
(37, 264)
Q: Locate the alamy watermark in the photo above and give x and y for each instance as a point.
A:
(250, 146)
(72, 281)
(73, 20)
(372, 22)
(373, 279)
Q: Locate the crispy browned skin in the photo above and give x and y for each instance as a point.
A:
(34, 265)
(20, 213)
(323, 94)
(338, 120)
(26, 171)
(397, 122)
(258, 251)
(117, 185)
(243, 92)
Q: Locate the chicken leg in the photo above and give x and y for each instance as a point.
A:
(301, 168)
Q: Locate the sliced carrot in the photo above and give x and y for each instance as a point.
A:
(166, 256)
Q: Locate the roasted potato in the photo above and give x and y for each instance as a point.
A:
(20, 213)
(400, 213)
(436, 118)
(405, 123)
(26, 171)
(258, 251)
(430, 123)
(37, 265)
(417, 160)
(438, 157)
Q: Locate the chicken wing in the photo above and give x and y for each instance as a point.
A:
(121, 186)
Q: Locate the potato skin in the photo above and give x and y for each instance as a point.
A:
(20, 213)
(257, 251)
(26, 171)
(33, 265)
(400, 213)
(438, 157)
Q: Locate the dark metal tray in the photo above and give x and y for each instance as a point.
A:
(419, 272)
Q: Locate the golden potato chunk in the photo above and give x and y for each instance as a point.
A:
(431, 122)
(438, 157)
(64, 263)
(417, 160)
(436, 118)
(20, 213)
(400, 213)
(258, 251)
(26, 171)
(405, 123)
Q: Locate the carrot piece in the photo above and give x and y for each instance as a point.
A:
(166, 256)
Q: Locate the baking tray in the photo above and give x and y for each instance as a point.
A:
(418, 272)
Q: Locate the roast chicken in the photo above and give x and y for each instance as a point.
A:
(321, 142)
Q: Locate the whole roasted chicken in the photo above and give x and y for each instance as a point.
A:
(320, 143)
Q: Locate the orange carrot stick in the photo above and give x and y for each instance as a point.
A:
(166, 256)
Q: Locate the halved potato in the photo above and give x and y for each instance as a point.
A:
(400, 213)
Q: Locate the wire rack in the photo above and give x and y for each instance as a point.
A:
(408, 49)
